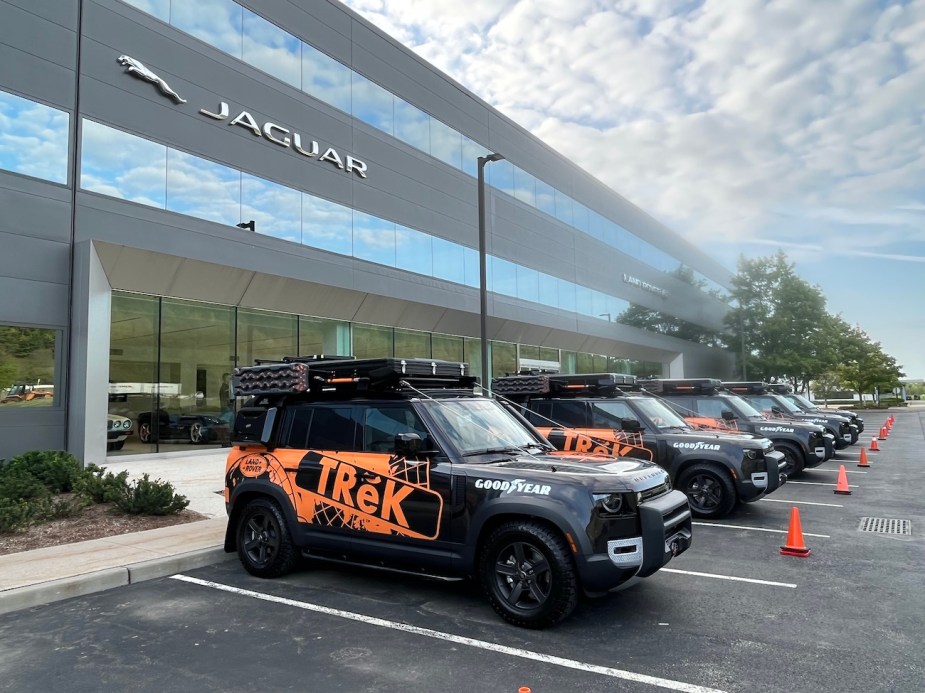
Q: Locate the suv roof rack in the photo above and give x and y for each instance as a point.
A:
(559, 385)
(315, 375)
(682, 386)
(751, 387)
(780, 388)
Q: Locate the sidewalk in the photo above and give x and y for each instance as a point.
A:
(31, 578)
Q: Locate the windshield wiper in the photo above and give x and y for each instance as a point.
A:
(510, 450)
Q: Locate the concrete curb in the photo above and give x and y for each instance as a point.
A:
(79, 585)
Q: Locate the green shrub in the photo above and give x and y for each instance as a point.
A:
(146, 497)
(100, 486)
(57, 507)
(56, 469)
(15, 514)
(17, 484)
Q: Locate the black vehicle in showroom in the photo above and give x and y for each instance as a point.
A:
(195, 428)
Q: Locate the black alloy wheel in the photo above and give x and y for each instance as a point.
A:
(793, 462)
(265, 545)
(709, 490)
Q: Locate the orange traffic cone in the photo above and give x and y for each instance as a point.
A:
(863, 462)
(794, 545)
(874, 447)
(841, 486)
(883, 433)
(892, 419)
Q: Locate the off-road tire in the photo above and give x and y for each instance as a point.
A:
(709, 490)
(265, 545)
(528, 574)
(793, 459)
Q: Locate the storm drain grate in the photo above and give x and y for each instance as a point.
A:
(885, 525)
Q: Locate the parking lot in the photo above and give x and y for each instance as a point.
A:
(731, 614)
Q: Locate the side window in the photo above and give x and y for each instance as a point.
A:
(296, 433)
(332, 428)
(380, 425)
(608, 414)
(763, 404)
(539, 413)
(710, 406)
(570, 413)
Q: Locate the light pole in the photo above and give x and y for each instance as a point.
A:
(483, 275)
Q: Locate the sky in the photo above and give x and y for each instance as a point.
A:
(746, 126)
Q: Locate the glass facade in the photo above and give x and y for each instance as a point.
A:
(245, 35)
(27, 367)
(171, 360)
(33, 138)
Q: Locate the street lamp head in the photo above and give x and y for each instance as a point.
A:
(494, 157)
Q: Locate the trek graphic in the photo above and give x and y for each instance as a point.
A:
(137, 69)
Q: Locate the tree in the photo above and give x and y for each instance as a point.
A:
(865, 366)
(825, 383)
(781, 317)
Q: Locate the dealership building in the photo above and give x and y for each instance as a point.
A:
(189, 186)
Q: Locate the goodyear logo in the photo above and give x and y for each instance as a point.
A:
(699, 445)
(775, 429)
(513, 486)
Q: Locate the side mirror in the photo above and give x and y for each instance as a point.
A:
(728, 415)
(630, 425)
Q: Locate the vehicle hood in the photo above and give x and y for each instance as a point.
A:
(630, 474)
(709, 439)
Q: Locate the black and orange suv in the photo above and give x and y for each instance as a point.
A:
(704, 402)
(397, 464)
(605, 412)
(807, 405)
(776, 406)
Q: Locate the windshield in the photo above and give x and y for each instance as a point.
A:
(742, 408)
(802, 400)
(480, 425)
(787, 405)
(660, 415)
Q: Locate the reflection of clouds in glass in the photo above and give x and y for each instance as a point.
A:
(445, 143)
(372, 104)
(33, 138)
(159, 8)
(471, 151)
(373, 239)
(275, 209)
(327, 225)
(414, 250)
(412, 125)
(217, 22)
(325, 78)
(528, 288)
(500, 175)
(121, 165)
(524, 186)
(202, 188)
(273, 50)
(449, 262)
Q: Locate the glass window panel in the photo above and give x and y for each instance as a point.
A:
(545, 198)
(271, 49)
(217, 22)
(332, 428)
(410, 344)
(500, 174)
(412, 125)
(325, 78)
(371, 341)
(327, 225)
(275, 209)
(373, 239)
(158, 8)
(414, 250)
(502, 276)
(320, 336)
(195, 361)
(134, 340)
(524, 186)
(449, 261)
(563, 207)
(548, 290)
(471, 151)
(567, 296)
(447, 348)
(547, 354)
(580, 217)
(528, 288)
(264, 334)
(596, 225)
(584, 303)
(472, 268)
(503, 359)
(610, 234)
(33, 138)
(202, 188)
(445, 143)
(372, 104)
(121, 165)
(472, 353)
(27, 367)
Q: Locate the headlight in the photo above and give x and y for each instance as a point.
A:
(751, 454)
(609, 502)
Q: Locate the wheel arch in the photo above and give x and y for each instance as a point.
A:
(247, 491)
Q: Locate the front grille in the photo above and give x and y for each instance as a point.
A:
(885, 525)
(654, 492)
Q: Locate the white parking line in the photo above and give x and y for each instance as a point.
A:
(794, 502)
(471, 642)
(729, 577)
(818, 483)
(849, 471)
(756, 529)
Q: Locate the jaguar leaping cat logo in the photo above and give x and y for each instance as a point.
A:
(134, 67)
